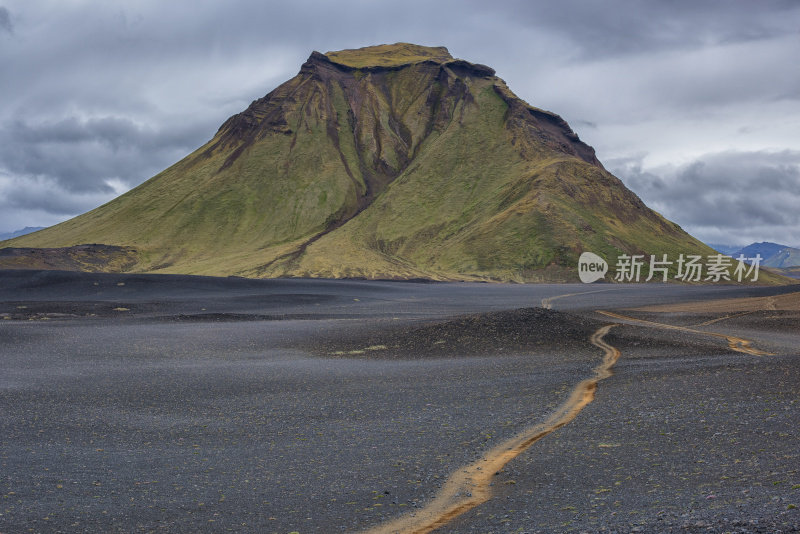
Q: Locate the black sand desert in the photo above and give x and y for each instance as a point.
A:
(138, 403)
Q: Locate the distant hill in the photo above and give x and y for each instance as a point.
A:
(772, 254)
(765, 249)
(791, 272)
(17, 233)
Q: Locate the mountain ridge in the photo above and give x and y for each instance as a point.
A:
(773, 254)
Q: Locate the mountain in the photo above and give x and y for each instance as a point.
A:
(765, 249)
(772, 254)
(17, 233)
(392, 161)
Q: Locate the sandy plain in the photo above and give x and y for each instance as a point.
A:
(134, 403)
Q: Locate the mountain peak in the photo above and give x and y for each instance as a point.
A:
(389, 55)
(390, 161)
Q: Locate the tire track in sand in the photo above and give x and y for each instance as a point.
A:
(469, 486)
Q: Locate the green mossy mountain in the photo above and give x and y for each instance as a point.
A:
(394, 161)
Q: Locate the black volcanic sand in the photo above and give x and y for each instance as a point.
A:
(182, 409)
(686, 436)
(181, 404)
(531, 331)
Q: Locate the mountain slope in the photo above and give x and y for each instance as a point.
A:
(394, 161)
(785, 258)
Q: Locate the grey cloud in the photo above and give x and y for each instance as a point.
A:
(111, 130)
(5, 20)
(115, 132)
(728, 193)
(616, 27)
(48, 198)
(81, 156)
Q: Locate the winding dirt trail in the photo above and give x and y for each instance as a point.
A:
(734, 343)
(469, 486)
(547, 303)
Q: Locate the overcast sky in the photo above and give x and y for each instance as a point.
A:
(695, 105)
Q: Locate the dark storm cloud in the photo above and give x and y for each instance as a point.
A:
(732, 195)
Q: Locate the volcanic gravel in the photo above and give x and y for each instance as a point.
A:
(135, 403)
